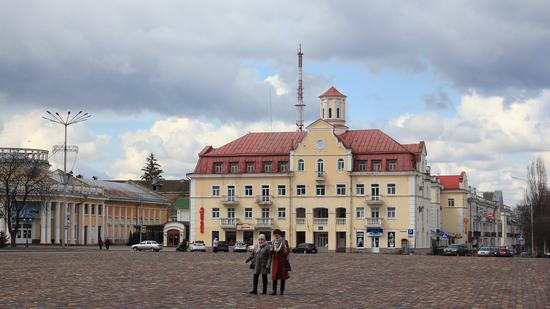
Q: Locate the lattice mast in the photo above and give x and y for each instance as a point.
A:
(300, 103)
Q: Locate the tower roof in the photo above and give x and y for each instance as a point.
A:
(332, 92)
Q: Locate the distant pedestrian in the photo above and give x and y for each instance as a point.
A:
(261, 262)
(215, 244)
(100, 243)
(107, 243)
(280, 265)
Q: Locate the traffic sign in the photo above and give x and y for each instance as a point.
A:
(410, 232)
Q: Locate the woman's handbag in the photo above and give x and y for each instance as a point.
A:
(288, 268)
(252, 265)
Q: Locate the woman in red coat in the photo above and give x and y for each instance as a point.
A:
(280, 252)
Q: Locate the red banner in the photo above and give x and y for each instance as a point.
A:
(202, 220)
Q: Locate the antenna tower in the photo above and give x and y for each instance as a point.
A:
(300, 104)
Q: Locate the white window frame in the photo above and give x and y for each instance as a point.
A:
(281, 210)
(234, 164)
(281, 165)
(451, 201)
(248, 210)
(264, 211)
(360, 212)
(265, 164)
(253, 164)
(215, 213)
(379, 166)
(301, 165)
(324, 189)
(364, 165)
(362, 233)
(218, 188)
(231, 212)
(357, 186)
(388, 186)
(251, 190)
(342, 166)
(340, 186)
(390, 162)
(216, 166)
(394, 213)
(298, 190)
(279, 187)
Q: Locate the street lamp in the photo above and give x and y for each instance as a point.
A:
(532, 231)
(27, 232)
(66, 121)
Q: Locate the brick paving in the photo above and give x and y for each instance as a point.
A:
(89, 278)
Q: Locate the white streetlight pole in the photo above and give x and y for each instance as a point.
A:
(65, 121)
(532, 229)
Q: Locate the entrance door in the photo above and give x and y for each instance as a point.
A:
(248, 237)
(85, 235)
(300, 238)
(230, 237)
(340, 241)
(321, 240)
(215, 234)
(375, 244)
(173, 238)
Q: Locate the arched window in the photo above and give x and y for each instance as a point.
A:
(330, 113)
(340, 164)
(301, 165)
(320, 165)
(323, 113)
(338, 113)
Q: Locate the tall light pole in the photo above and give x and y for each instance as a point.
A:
(532, 230)
(66, 121)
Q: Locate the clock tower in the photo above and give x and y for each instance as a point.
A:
(333, 109)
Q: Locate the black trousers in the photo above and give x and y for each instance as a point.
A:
(264, 283)
(282, 285)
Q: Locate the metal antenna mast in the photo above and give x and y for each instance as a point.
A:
(300, 104)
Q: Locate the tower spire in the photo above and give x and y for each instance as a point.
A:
(300, 103)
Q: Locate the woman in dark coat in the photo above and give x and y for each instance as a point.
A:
(261, 263)
(280, 253)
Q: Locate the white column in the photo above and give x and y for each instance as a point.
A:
(57, 221)
(43, 224)
(104, 225)
(72, 222)
(96, 223)
(49, 223)
(125, 231)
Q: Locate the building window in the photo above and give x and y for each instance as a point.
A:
(360, 239)
(362, 165)
(301, 165)
(340, 189)
(391, 189)
(281, 190)
(215, 213)
(392, 165)
(234, 167)
(376, 165)
(231, 212)
(330, 112)
(340, 164)
(99, 209)
(218, 167)
(337, 113)
(301, 190)
(375, 192)
(281, 213)
(451, 202)
(320, 190)
(86, 209)
(93, 209)
(360, 212)
(283, 167)
(250, 167)
(231, 193)
(248, 213)
(391, 239)
(215, 190)
(248, 190)
(267, 167)
(320, 166)
(265, 212)
(360, 189)
(391, 212)
(265, 191)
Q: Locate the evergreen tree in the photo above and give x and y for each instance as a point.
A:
(151, 170)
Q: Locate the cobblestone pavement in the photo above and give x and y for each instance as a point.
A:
(86, 278)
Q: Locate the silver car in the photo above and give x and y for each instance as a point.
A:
(147, 245)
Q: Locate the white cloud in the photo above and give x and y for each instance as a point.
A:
(281, 88)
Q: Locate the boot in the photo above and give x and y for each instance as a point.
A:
(274, 288)
(255, 285)
(282, 287)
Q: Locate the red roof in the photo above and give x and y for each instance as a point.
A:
(371, 141)
(451, 182)
(332, 92)
(265, 143)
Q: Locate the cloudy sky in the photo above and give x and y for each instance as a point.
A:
(471, 78)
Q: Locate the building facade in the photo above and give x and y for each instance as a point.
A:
(338, 188)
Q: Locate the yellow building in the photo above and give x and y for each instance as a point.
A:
(338, 188)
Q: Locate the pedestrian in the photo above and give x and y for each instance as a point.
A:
(107, 243)
(215, 244)
(100, 243)
(280, 267)
(261, 262)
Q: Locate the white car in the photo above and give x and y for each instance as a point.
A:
(197, 245)
(485, 251)
(147, 245)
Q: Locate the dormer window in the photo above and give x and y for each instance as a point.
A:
(234, 167)
(362, 165)
(267, 167)
(376, 165)
(392, 165)
(250, 167)
(283, 167)
(218, 166)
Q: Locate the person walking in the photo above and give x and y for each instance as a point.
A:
(215, 245)
(279, 269)
(100, 243)
(261, 262)
(107, 243)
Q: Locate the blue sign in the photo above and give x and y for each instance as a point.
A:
(520, 238)
(410, 232)
(444, 235)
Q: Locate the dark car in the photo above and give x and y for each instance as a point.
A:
(456, 250)
(223, 246)
(182, 246)
(305, 248)
(504, 252)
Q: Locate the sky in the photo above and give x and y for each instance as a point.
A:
(470, 78)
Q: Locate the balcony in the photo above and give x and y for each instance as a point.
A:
(373, 222)
(264, 223)
(320, 221)
(228, 223)
(374, 200)
(300, 221)
(320, 176)
(230, 200)
(340, 221)
(264, 200)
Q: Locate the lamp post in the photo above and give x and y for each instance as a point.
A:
(532, 231)
(27, 232)
(66, 121)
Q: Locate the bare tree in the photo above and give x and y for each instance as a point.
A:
(537, 200)
(23, 178)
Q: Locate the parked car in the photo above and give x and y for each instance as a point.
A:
(456, 250)
(197, 245)
(305, 248)
(240, 247)
(147, 245)
(223, 246)
(250, 248)
(485, 251)
(547, 254)
(504, 252)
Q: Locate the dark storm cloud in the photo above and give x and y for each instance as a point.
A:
(200, 60)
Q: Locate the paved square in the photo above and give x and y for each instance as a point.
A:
(85, 278)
